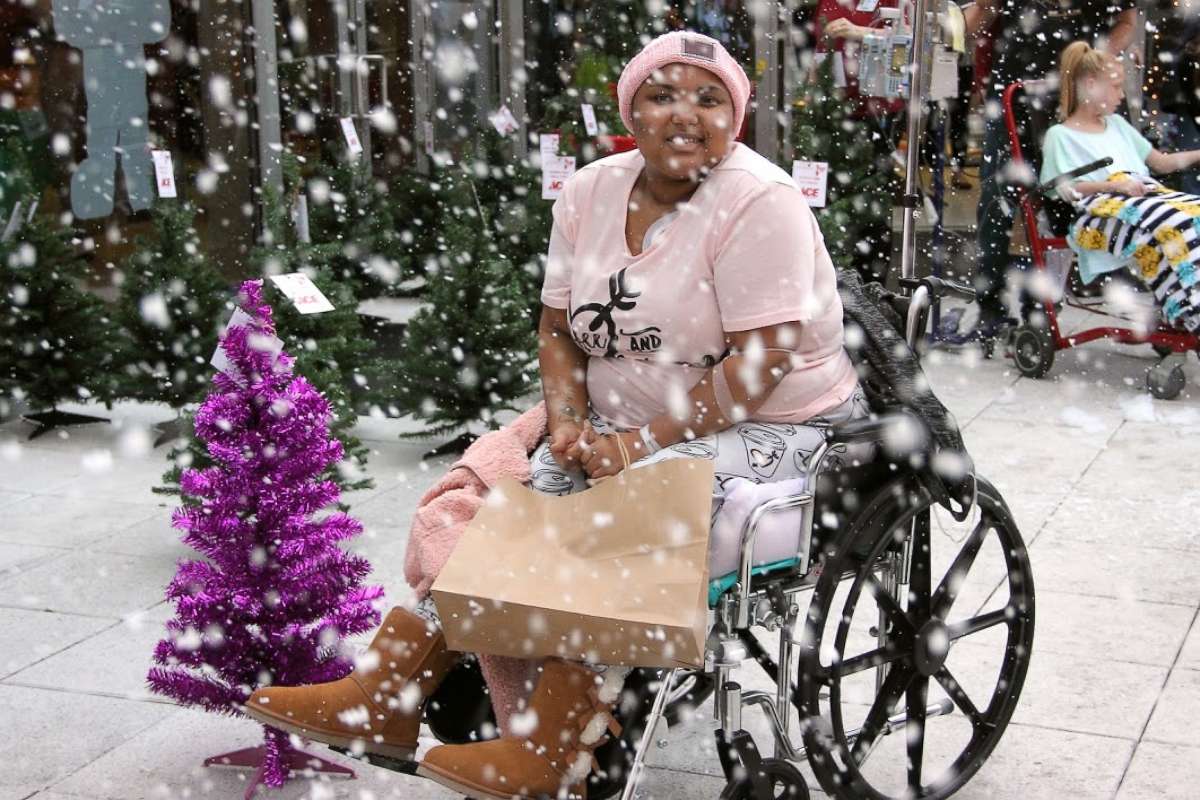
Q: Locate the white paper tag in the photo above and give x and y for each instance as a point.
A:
(351, 134)
(303, 293)
(164, 173)
(270, 344)
(555, 172)
(428, 138)
(300, 218)
(589, 119)
(813, 178)
(503, 121)
(867, 6)
(548, 146)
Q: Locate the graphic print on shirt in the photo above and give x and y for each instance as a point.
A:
(620, 298)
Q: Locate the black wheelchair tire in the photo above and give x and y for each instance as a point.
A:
(1032, 351)
(828, 746)
(787, 783)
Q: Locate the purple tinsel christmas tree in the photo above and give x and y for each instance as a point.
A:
(275, 593)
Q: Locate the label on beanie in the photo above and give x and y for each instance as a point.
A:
(812, 178)
(303, 293)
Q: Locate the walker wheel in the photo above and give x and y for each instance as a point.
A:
(1165, 383)
(785, 780)
(1032, 351)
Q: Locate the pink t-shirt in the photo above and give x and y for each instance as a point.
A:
(745, 252)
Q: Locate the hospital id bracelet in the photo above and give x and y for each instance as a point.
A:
(648, 440)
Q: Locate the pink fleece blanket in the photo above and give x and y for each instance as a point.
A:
(443, 513)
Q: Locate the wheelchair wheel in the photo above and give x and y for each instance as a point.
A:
(1165, 383)
(460, 711)
(785, 781)
(932, 659)
(1032, 351)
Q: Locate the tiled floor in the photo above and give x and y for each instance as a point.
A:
(1101, 479)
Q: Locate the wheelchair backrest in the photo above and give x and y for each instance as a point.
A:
(1030, 110)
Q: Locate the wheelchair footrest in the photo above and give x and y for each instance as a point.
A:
(375, 760)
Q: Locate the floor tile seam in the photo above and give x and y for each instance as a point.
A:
(1061, 593)
(147, 699)
(1161, 689)
(60, 651)
(11, 607)
(1108, 660)
(138, 732)
(990, 402)
(1074, 731)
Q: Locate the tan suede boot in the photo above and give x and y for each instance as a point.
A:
(569, 712)
(380, 706)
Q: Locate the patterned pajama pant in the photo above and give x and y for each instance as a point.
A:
(762, 452)
(1159, 234)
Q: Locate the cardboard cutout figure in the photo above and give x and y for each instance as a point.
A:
(111, 34)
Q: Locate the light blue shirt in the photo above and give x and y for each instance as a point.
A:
(1066, 148)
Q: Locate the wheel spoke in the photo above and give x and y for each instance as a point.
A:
(919, 607)
(897, 680)
(888, 604)
(958, 630)
(955, 691)
(914, 731)
(947, 590)
(872, 658)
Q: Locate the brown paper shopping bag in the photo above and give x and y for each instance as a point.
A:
(617, 574)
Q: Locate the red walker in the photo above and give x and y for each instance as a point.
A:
(1034, 343)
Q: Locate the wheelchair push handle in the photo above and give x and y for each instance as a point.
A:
(940, 287)
(1071, 174)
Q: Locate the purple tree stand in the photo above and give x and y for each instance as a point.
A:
(297, 760)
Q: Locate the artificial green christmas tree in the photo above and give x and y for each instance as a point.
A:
(470, 352)
(172, 304)
(856, 219)
(371, 232)
(330, 349)
(57, 341)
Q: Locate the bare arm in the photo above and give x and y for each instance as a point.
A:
(1121, 34)
(564, 369)
(1164, 163)
(752, 373)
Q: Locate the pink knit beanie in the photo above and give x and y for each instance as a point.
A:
(683, 47)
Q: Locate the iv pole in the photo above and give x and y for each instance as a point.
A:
(916, 108)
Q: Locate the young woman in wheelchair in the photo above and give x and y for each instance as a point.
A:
(690, 309)
(1127, 219)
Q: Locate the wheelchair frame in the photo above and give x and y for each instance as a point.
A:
(1035, 342)
(771, 604)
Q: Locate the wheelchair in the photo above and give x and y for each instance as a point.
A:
(873, 655)
(1028, 113)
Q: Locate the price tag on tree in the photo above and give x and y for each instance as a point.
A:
(548, 146)
(813, 178)
(303, 293)
(164, 173)
(351, 134)
(589, 119)
(555, 172)
(270, 344)
(503, 121)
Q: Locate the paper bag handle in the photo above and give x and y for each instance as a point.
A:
(624, 458)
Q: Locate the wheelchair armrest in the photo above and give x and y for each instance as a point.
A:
(858, 431)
